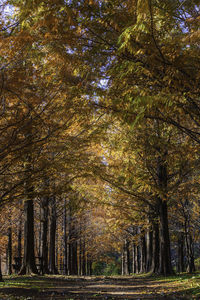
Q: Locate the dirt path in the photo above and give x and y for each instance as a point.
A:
(107, 288)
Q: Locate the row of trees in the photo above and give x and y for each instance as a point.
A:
(102, 97)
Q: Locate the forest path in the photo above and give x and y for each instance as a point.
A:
(107, 288)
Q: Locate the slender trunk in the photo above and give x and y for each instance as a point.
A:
(155, 249)
(126, 256)
(19, 244)
(80, 257)
(133, 258)
(44, 234)
(89, 265)
(53, 216)
(122, 263)
(180, 263)
(9, 251)
(1, 277)
(190, 254)
(149, 247)
(65, 271)
(83, 265)
(143, 254)
(137, 259)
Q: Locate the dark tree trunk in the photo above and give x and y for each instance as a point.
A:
(155, 249)
(149, 246)
(180, 263)
(44, 234)
(143, 252)
(65, 239)
(19, 245)
(9, 251)
(53, 217)
(137, 259)
(1, 277)
(165, 267)
(28, 265)
(83, 264)
(72, 245)
(122, 263)
(133, 258)
(126, 257)
(190, 253)
(80, 257)
(89, 265)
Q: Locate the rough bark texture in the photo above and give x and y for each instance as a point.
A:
(143, 252)
(9, 251)
(155, 249)
(53, 216)
(149, 246)
(190, 254)
(126, 257)
(165, 267)
(19, 245)
(180, 263)
(28, 265)
(65, 271)
(1, 278)
(44, 234)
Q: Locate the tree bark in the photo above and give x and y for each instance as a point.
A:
(1, 277)
(143, 253)
(19, 244)
(149, 246)
(190, 253)
(65, 240)
(28, 265)
(155, 248)
(9, 251)
(165, 267)
(126, 257)
(44, 234)
(53, 217)
(180, 263)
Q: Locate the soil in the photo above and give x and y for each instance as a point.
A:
(107, 288)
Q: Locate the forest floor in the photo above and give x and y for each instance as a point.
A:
(100, 287)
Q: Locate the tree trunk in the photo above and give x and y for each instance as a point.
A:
(19, 245)
(28, 265)
(53, 217)
(143, 254)
(126, 255)
(180, 263)
(65, 271)
(149, 247)
(44, 234)
(190, 253)
(137, 259)
(9, 251)
(165, 267)
(83, 265)
(133, 258)
(1, 278)
(155, 249)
